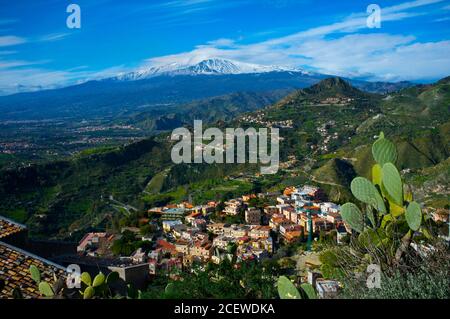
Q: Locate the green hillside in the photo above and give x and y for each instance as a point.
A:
(67, 196)
(333, 126)
(333, 137)
(210, 110)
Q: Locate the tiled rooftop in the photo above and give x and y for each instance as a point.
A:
(8, 227)
(14, 271)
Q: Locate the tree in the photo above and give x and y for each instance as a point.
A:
(125, 245)
(147, 230)
(225, 281)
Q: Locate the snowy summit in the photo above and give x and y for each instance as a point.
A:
(206, 67)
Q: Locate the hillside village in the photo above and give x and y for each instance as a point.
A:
(181, 235)
(190, 235)
(178, 237)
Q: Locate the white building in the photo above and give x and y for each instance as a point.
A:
(327, 208)
(327, 289)
(233, 207)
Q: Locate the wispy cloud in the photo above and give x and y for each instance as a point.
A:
(10, 64)
(185, 3)
(377, 56)
(10, 40)
(358, 21)
(181, 7)
(17, 79)
(442, 19)
(410, 5)
(53, 37)
(177, 13)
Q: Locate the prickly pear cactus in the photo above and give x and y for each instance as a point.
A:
(392, 182)
(367, 193)
(35, 274)
(414, 216)
(386, 199)
(377, 174)
(384, 151)
(89, 293)
(353, 216)
(99, 280)
(45, 289)
(86, 279)
(309, 291)
(286, 289)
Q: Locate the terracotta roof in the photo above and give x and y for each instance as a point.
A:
(261, 228)
(88, 237)
(9, 227)
(278, 220)
(165, 245)
(293, 234)
(311, 208)
(14, 271)
(194, 215)
(204, 245)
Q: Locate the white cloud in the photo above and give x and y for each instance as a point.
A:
(410, 5)
(53, 37)
(184, 3)
(9, 64)
(14, 80)
(222, 43)
(379, 57)
(10, 40)
(194, 5)
(17, 76)
(373, 56)
(376, 56)
(178, 13)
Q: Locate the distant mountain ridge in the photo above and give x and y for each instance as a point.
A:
(213, 66)
(109, 98)
(172, 84)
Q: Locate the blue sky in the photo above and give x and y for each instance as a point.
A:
(38, 50)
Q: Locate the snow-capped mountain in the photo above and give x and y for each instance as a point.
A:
(205, 67)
